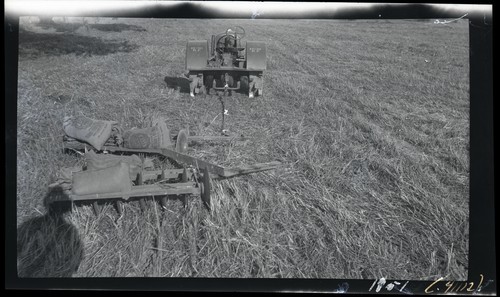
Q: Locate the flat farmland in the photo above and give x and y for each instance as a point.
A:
(369, 118)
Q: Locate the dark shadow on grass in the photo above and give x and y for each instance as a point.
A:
(179, 83)
(60, 27)
(49, 246)
(117, 27)
(72, 27)
(34, 45)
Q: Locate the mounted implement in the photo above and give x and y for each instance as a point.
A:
(119, 182)
(224, 63)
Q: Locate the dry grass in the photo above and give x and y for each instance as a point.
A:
(371, 119)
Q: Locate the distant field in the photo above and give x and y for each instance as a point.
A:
(370, 118)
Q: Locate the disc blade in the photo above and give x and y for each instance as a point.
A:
(181, 142)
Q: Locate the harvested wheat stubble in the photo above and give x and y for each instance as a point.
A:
(374, 138)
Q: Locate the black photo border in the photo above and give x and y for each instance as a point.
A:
(482, 241)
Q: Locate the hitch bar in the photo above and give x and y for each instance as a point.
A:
(238, 86)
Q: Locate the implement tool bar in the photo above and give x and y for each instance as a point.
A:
(143, 191)
(220, 171)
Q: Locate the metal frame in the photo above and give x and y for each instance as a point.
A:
(196, 182)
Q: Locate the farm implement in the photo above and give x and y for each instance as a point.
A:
(114, 172)
(226, 65)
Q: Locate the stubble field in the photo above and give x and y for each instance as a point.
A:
(369, 118)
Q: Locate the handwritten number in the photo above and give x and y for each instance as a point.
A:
(430, 286)
(465, 285)
(401, 290)
(469, 289)
(452, 287)
(448, 285)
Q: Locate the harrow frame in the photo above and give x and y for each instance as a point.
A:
(193, 179)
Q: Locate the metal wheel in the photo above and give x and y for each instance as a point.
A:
(193, 82)
(244, 84)
(256, 84)
(209, 84)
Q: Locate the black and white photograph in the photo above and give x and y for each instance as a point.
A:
(243, 148)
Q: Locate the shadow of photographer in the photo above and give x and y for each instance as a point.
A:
(49, 246)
